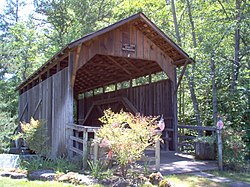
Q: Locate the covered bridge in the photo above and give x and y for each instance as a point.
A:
(116, 67)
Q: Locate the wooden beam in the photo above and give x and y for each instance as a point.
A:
(129, 105)
(25, 107)
(119, 65)
(76, 65)
(76, 139)
(37, 106)
(132, 65)
(41, 71)
(76, 150)
(181, 76)
(58, 67)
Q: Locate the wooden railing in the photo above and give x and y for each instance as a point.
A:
(187, 134)
(75, 139)
(78, 137)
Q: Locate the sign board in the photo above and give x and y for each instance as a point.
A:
(128, 47)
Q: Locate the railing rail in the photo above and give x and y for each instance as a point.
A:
(75, 140)
(187, 134)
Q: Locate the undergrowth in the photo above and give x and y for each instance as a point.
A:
(60, 165)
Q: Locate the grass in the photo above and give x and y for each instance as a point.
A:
(237, 176)
(192, 181)
(176, 180)
(8, 182)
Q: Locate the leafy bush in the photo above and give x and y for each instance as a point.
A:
(234, 152)
(127, 136)
(35, 135)
(205, 139)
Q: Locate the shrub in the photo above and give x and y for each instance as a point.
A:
(234, 148)
(7, 127)
(35, 135)
(127, 136)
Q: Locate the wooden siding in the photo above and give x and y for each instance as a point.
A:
(54, 109)
(111, 43)
(152, 99)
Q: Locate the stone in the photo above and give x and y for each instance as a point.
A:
(18, 176)
(121, 183)
(13, 175)
(220, 179)
(85, 180)
(155, 178)
(45, 175)
(12, 160)
(239, 184)
(64, 178)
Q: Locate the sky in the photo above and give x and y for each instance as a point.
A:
(24, 12)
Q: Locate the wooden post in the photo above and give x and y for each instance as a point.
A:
(69, 100)
(219, 132)
(85, 148)
(157, 155)
(95, 152)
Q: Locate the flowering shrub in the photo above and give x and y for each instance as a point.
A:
(36, 136)
(127, 136)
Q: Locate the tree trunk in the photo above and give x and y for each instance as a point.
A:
(192, 24)
(190, 82)
(236, 64)
(214, 90)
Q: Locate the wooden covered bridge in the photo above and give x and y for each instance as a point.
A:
(129, 65)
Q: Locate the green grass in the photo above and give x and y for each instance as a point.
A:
(237, 176)
(177, 180)
(8, 182)
(192, 181)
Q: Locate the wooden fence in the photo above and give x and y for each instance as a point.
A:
(187, 134)
(79, 137)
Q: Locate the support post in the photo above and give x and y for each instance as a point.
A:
(95, 152)
(69, 112)
(157, 155)
(85, 148)
(219, 132)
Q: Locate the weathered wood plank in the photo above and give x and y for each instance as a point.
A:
(76, 139)
(76, 150)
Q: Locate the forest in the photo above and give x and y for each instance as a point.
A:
(215, 33)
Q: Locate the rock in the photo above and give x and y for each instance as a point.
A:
(45, 175)
(155, 178)
(12, 160)
(165, 183)
(5, 174)
(18, 176)
(85, 180)
(64, 178)
(122, 183)
(13, 175)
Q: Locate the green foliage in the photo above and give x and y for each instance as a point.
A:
(205, 139)
(60, 165)
(234, 149)
(7, 127)
(98, 170)
(127, 136)
(27, 42)
(36, 136)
